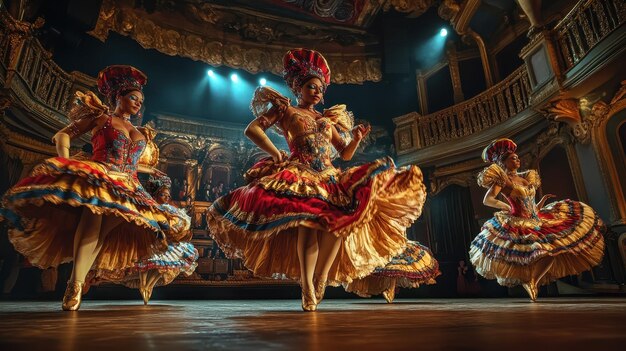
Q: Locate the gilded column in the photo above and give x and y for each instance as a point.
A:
(191, 174)
(455, 75)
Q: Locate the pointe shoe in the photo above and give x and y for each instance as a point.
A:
(146, 294)
(73, 296)
(320, 289)
(309, 304)
(389, 294)
(532, 290)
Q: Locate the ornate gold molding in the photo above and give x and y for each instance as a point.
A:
(465, 179)
(239, 39)
(581, 118)
(600, 114)
(568, 112)
(413, 7)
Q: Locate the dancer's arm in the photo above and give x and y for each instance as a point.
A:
(75, 129)
(358, 133)
(255, 132)
(491, 201)
(543, 200)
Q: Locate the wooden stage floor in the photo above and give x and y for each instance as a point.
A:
(346, 324)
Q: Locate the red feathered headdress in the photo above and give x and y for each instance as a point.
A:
(115, 79)
(498, 149)
(300, 65)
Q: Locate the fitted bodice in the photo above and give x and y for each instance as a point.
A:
(309, 139)
(522, 200)
(118, 151)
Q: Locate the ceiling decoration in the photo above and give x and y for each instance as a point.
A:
(254, 35)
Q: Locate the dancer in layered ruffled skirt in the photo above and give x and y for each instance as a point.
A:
(414, 267)
(160, 269)
(531, 243)
(301, 217)
(95, 213)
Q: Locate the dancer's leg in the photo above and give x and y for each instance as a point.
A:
(307, 255)
(85, 242)
(538, 270)
(390, 293)
(147, 282)
(328, 248)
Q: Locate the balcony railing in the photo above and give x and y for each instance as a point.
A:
(29, 69)
(47, 82)
(493, 106)
(585, 26)
(588, 23)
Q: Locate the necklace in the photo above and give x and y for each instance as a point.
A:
(310, 109)
(124, 118)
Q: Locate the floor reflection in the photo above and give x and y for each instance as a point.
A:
(481, 324)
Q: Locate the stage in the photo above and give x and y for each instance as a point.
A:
(340, 324)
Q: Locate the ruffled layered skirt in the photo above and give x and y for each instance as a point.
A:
(414, 267)
(368, 206)
(44, 210)
(180, 258)
(507, 247)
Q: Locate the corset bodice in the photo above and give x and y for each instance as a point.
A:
(522, 201)
(113, 147)
(309, 140)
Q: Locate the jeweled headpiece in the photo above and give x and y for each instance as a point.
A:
(118, 78)
(300, 65)
(498, 149)
(157, 183)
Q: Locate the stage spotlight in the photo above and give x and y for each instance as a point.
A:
(443, 32)
(262, 81)
(210, 73)
(234, 77)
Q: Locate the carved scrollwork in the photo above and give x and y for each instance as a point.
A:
(568, 111)
(414, 7)
(579, 117)
(220, 35)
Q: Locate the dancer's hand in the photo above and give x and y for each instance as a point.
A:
(361, 131)
(546, 197)
(543, 200)
(278, 157)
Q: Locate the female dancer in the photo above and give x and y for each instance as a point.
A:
(299, 216)
(161, 268)
(96, 212)
(414, 267)
(531, 243)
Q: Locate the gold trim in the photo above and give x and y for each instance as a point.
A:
(252, 41)
(601, 113)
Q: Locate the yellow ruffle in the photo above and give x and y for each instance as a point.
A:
(51, 220)
(378, 235)
(375, 284)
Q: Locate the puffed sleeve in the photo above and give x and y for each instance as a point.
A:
(83, 115)
(532, 176)
(268, 106)
(343, 120)
(491, 175)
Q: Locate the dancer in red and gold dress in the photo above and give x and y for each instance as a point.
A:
(531, 243)
(160, 269)
(301, 217)
(95, 213)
